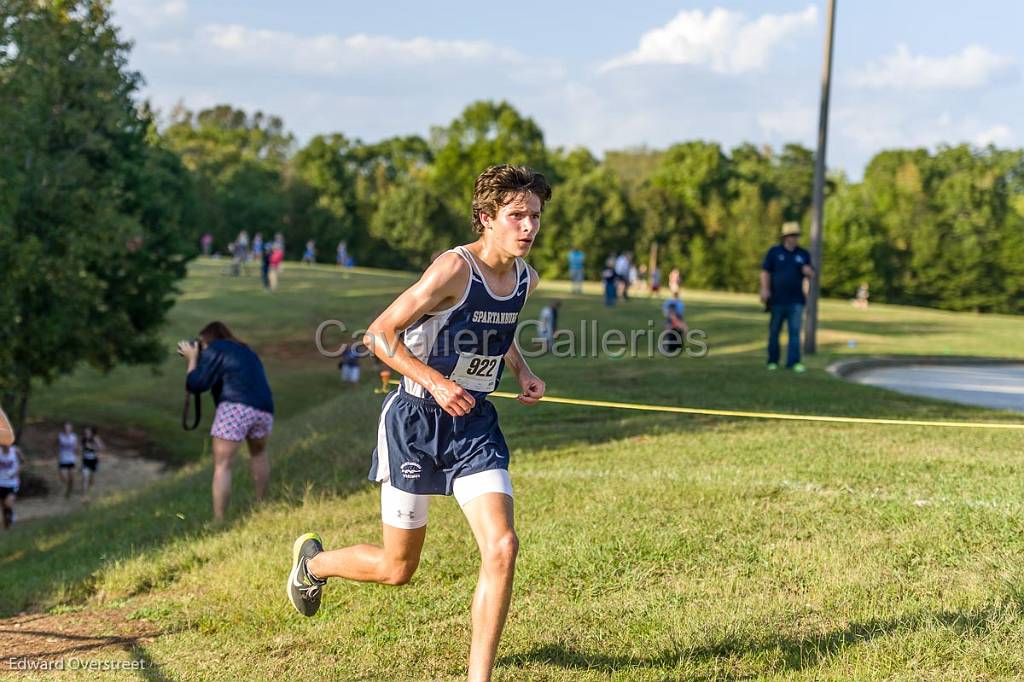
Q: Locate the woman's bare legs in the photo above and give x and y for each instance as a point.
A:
(259, 466)
(223, 453)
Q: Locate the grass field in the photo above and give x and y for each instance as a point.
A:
(653, 546)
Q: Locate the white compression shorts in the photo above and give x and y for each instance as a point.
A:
(400, 509)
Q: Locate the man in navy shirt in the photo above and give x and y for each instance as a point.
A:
(782, 289)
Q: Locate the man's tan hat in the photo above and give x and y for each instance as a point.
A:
(790, 228)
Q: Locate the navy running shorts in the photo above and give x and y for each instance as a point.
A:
(421, 449)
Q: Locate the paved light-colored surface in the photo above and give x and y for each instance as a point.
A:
(123, 467)
(995, 386)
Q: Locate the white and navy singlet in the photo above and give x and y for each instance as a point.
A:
(68, 448)
(9, 467)
(468, 341)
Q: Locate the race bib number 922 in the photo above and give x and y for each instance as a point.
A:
(476, 372)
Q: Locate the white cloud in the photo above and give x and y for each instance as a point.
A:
(376, 86)
(999, 135)
(367, 86)
(723, 40)
(880, 126)
(972, 68)
(790, 123)
(327, 54)
(147, 15)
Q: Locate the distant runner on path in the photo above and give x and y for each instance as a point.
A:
(67, 456)
(11, 464)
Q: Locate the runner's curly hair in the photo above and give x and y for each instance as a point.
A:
(501, 185)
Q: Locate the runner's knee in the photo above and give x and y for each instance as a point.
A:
(400, 571)
(502, 550)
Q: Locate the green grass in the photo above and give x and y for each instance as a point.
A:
(653, 546)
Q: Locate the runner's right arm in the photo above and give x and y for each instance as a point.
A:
(440, 287)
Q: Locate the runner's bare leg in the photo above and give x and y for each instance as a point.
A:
(392, 564)
(491, 517)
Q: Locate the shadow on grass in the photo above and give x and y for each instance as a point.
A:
(67, 644)
(794, 653)
(148, 668)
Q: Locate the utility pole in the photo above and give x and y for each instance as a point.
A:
(818, 197)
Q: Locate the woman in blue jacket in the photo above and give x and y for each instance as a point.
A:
(233, 373)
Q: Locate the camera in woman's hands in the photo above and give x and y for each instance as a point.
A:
(186, 343)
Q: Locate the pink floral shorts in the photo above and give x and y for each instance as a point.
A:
(236, 422)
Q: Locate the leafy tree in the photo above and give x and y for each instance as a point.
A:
(853, 245)
(794, 180)
(338, 184)
(1009, 261)
(486, 133)
(970, 206)
(92, 210)
(946, 221)
(590, 212)
(663, 221)
(689, 182)
(633, 167)
(324, 203)
(571, 164)
(239, 161)
(415, 224)
(379, 166)
(693, 172)
(751, 225)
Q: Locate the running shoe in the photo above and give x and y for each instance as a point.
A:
(772, 366)
(304, 590)
(799, 368)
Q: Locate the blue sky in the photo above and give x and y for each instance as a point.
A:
(599, 74)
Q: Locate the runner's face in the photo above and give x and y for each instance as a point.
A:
(516, 225)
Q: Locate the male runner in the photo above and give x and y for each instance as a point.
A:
(449, 335)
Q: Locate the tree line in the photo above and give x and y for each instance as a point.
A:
(102, 204)
(941, 229)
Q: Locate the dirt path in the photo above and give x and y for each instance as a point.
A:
(122, 466)
(49, 643)
(58, 642)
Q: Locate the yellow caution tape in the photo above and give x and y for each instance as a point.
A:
(746, 415)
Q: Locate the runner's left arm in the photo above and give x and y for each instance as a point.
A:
(532, 386)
